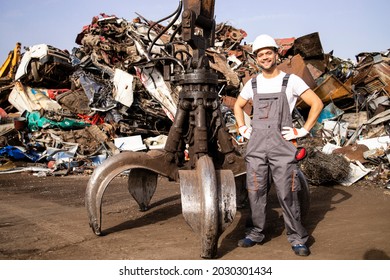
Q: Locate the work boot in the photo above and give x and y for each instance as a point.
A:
(301, 250)
(246, 242)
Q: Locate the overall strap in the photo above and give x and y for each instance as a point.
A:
(254, 85)
(285, 82)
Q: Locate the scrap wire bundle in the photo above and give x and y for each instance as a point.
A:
(321, 168)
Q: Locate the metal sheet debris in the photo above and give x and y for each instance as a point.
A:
(357, 172)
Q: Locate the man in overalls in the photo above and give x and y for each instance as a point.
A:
(274, 94)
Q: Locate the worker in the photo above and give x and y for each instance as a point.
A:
(270, 148)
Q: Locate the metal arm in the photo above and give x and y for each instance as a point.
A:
(198, 25)
(199, 122)
(207, 181)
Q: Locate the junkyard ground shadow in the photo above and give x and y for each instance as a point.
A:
(323, 199)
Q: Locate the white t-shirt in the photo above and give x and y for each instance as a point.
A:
(295, 87)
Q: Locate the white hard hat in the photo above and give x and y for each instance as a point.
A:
(263, 41)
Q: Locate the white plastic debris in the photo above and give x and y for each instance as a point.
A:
(123, 87)
(130, 143)
(328, 148)
(357, 172)
(157, 142)
(376, 143)
(336, 130)
(154, 83)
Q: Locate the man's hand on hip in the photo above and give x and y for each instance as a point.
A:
(245, 131)
(290, 133)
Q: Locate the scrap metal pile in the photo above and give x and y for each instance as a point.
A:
(66, 112)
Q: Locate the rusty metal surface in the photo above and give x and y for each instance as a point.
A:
(153, 162)
(309, 46)
(296, 65)
(353, 152)
(141, 185)
(285, 45)
(208, 202)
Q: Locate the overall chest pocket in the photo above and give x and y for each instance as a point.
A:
(266, 107)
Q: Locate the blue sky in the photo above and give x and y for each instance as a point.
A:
(347, 27)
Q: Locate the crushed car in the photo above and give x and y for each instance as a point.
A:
(43, 65)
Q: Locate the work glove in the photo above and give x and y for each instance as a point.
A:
(245, 131)
(290, 133)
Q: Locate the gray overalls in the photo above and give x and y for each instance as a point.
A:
(268, 151)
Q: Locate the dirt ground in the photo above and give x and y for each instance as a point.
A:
(44, 218)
